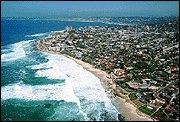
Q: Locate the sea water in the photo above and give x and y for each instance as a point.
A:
(41, 86)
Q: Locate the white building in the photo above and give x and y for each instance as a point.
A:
(68, 28)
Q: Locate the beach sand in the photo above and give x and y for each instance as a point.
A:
(126, 109)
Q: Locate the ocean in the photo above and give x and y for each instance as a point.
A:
(47, 87)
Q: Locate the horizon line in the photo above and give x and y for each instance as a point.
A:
(91, 17)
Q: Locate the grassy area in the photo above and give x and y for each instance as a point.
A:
(132, 96)
(129, 90)
(122, 81)
(138, 103)
(146, 110)
(125, 87)
(68, 53)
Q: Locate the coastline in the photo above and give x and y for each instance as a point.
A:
(125, 108)
(121, 102)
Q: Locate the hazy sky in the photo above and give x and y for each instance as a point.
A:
(88, 8)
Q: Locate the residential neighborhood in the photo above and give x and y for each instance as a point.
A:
(141, 59)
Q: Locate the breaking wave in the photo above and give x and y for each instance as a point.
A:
(37, 35)
(17, 51)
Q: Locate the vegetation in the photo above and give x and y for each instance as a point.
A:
(119, 82)
(124, 86)
(146, 110)
(138, 103)
(132, 96)
(68, 53)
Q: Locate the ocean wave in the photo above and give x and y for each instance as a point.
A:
(42, 65)
(59, 67)
(37, 35)
(81, 87)
(83, 80)
(17, 51)
(2, 56)
(57, 31)
(85, 85)
(53, 72)
(6, 49)
(37, 92)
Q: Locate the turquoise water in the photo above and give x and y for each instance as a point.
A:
(41, 86)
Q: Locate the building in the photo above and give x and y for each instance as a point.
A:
(68, 28)
(138, 95)
(136, 30)
(119, 71)
(133, 85)
(144, 86)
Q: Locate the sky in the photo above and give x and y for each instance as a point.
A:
(57, 9)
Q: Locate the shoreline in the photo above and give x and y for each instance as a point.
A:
(121, 102)
(125, 108)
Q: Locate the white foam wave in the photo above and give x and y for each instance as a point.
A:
(17, 51)
(2, 56)
(57, 31)
(5, 49)
(43, 65)
(38, 92)
(84, 83)
(83, 80)
(52, 71)
(36, 35)
(79, 83)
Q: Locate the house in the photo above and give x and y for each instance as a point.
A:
(68, 28)
(153, 88)
(78, 54)
(102, 61)
(173, 69)
(159, 101)
(133, 85)
(153, 82)
(119, 71)
(138, 95)
(108, 66)
(149, 107)
(144, 86)
(154, 104)
(124, 67)
(129, 68)
(143, 100)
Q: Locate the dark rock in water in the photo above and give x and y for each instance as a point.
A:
(121, 118)
(94, 119)
(47, 105)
